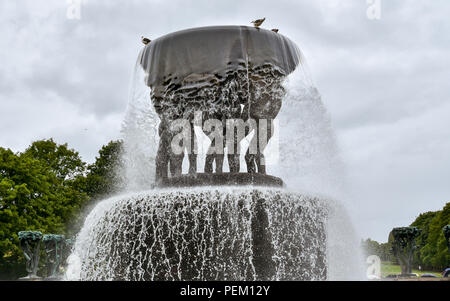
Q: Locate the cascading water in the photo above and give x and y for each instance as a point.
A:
(206, 234)
(225, 232)
(140, 134)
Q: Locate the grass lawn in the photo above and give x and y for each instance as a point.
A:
(388, 268)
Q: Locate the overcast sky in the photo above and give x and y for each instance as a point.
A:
(385, 83)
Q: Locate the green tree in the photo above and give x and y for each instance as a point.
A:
(37, 192)
(70, 170)
(47, 188)
(64, 162)
(422, 222)
(433, 252)
(372, 247)
(105, 175)
(30, 199)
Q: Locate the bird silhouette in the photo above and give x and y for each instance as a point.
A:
(145, 40)
(275, 30)
(257, 23)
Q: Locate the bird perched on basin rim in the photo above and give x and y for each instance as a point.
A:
(275, 30)
(257, 23)
(145, 40)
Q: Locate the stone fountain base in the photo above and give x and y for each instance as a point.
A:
(206, 233)
(222, 179)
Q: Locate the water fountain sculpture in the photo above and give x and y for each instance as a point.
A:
(30, 242)
(68, 244)
(404, 245)
(57, 250)
(54, 247)
(224, 73)
(213, 224)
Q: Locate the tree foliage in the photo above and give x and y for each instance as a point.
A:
(65, 163)
(105, 175)
(32, 197)
(433, 250)
(382, 250)
(45, 188)
(41, 189)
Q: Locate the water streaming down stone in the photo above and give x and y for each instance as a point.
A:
(245, 232)
(207, 234)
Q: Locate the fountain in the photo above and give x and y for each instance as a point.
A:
(57, 250)
(220, 223)
(30, 242)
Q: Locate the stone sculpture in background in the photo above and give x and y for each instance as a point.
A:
(68, 244)
(404, 245)
(54, 247)
(446, 230)
(57, 249)
(30, 242)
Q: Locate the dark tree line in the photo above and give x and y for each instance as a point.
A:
(382, 250)
(49, 188)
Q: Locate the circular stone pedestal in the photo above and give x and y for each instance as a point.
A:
(221, 179)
